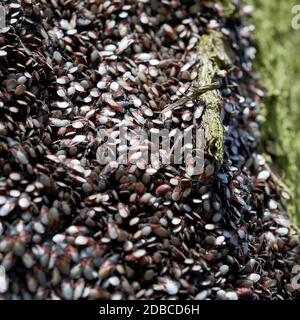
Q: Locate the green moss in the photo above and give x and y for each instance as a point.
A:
(215, 61)
(278, 63)
(228, 8)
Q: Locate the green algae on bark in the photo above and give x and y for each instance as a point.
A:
(279, 64)
(215, 63)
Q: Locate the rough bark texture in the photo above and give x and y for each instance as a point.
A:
(279, 65)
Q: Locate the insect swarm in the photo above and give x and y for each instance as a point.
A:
(73, 228)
